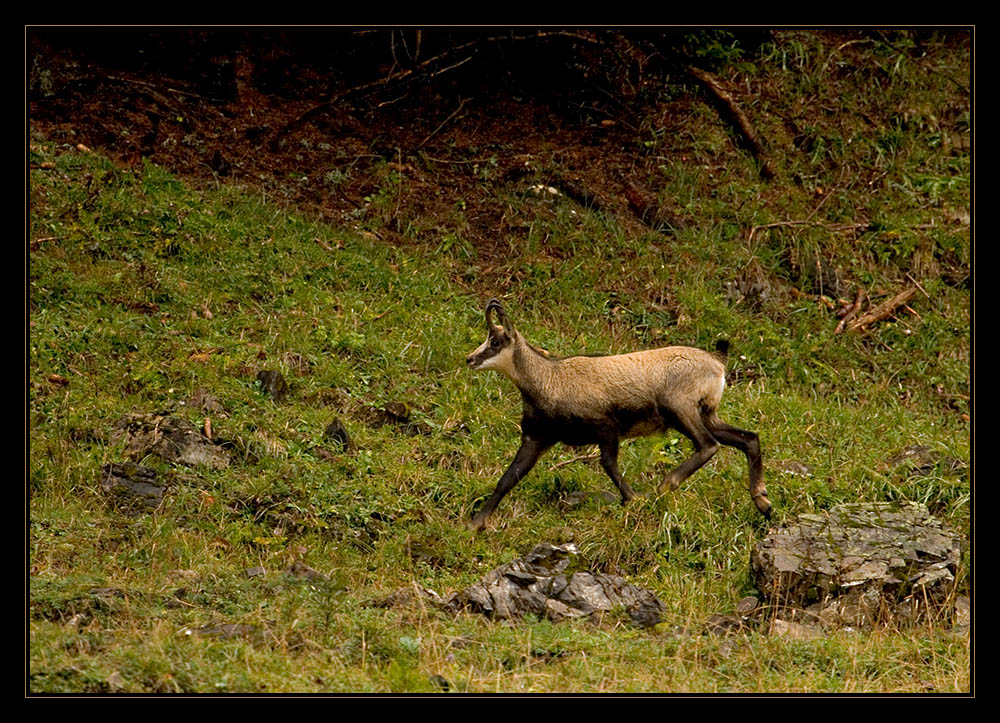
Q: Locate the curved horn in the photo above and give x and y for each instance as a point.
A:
(491, 306)
(494, 305)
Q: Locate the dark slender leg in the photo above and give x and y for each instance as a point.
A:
(705, 447)
(531, 449)
(609, 460)
(749, 443)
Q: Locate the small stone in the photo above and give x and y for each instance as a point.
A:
(795, 631)
(441, 682)
(203, 400)
(723, 624)
(116, 681)
(539, 584)
(747, 605)
(336, 433)
(300, 569)
(273, 384)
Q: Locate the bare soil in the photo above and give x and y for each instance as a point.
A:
(327, 119)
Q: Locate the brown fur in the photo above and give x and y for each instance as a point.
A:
(600, 400)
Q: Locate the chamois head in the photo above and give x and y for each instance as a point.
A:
(497, 350)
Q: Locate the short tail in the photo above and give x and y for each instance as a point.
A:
(722, 350)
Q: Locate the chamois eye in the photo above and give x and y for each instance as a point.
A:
(495, 343)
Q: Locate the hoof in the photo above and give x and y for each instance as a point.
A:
(763, 506)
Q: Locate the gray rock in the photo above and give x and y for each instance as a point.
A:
(747, 605)
(795, 631)
(203, 400)
(537, 583)
(336, 433)
(273, 384)
(921, 459)
(131, 488)
(861, 564)
(302, 570)
(170, 438)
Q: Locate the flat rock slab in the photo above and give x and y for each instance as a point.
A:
(538, 583)
(170, 438)
(861, 564)
(131, 488)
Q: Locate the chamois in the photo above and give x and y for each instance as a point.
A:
(599, 400)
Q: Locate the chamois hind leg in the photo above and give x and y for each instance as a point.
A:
(705, 446)
(531, 449)
(609, 460)
(749, 443)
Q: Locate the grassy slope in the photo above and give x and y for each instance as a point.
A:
(147, 290)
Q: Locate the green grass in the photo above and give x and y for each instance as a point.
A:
(144, 289)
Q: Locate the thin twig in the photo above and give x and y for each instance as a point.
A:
(581, 458)
(461, 104)
(918, 285)
(839, 48)
(471, 160)
(169, 90)
(383, 82)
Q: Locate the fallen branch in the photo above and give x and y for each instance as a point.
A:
(851, 311)
(883, 310)
(737, 117)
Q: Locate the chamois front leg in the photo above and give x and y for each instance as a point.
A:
(609, 460)
(531, 449)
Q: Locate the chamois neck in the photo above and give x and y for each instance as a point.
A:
(531, 371)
